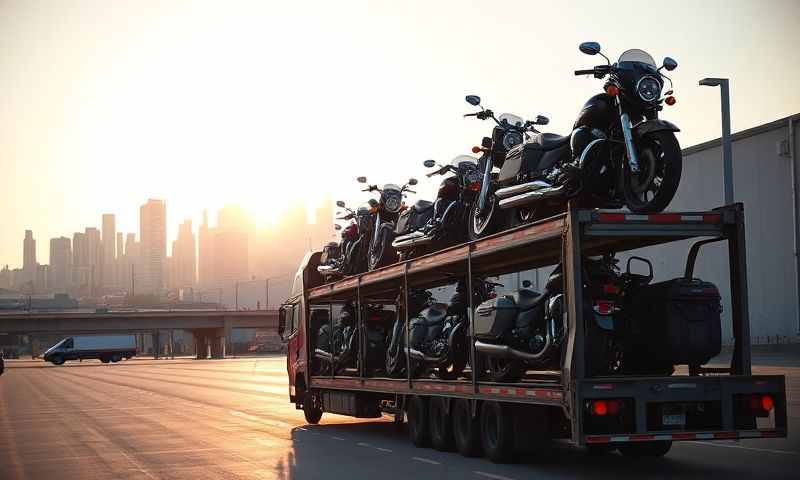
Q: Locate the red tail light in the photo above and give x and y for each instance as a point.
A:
(602, 408)
(763, 403)
(604, 307)
(474, 186)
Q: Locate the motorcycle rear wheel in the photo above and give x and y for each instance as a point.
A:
(660, 163)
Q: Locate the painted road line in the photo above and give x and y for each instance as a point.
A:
(426, 460)
(387, 450)
(754, 449)
(491, 475)
(338, 438)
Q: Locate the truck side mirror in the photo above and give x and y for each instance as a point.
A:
(282, 322)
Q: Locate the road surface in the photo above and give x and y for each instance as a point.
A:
(229, 419)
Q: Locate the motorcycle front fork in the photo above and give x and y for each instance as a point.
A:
(627, 132)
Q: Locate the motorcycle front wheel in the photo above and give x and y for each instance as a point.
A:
(483, 223)
(383, 253)
(660, 165)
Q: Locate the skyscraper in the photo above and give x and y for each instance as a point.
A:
(94, 251)
(205, 253)
(60, 264)
(130, 263)
(29, 257)
(184, 257)
(80, 261)
(109, 249)
(119, 278)
(153, 238)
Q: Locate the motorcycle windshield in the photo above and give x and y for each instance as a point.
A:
(638, 56)
(391, 186)
(464, 160)
(511, 119)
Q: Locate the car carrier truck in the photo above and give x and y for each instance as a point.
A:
(639, 415)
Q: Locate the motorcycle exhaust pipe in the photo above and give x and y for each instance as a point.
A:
(326, 269)
(529, 197)
(521, 188)
(411, 240)
(504, 351)
(323, 355)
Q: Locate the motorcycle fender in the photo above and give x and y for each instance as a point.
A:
(654, 125)
(452, 337)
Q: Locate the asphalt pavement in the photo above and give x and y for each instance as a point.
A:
(230, 419)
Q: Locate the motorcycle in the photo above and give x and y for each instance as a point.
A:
(427, 226)
(618, 154)
(384, 214)
(437, 336)
(338, 348)
(345, 258)
(510, 131)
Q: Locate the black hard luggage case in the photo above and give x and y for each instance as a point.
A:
(677, 322)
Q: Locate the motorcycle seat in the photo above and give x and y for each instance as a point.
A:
(434, 314)
(546, 141)
(527, 299)
(422, 205)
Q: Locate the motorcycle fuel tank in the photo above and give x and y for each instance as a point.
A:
(598, 112)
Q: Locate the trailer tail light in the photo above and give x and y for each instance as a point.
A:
(602, 408)
(754, 410)
(761, 405)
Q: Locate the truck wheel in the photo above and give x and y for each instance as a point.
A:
(657, 448)
(441, 425)
(417, 412)
(466, 430)
(497, 432)
(105, 359)
(311, 410)
(57, 360)
(116, 357)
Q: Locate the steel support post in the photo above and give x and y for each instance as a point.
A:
(737, 258)
(473, 355)
(574, 366)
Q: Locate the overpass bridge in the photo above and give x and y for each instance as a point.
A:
(211, 328)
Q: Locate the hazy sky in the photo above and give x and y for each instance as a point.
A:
(106, 103)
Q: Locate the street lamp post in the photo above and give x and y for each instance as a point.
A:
(727, 161)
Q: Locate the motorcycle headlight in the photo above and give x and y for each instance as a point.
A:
(511, 140)
(648, 88)
(392, 203)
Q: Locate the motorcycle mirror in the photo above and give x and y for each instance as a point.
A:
(337, 227)
(486, 142)
(412, 181)
(429, 163)
(526, 284)
(473, 100)
(361, 179)
(670, 64)
(542, 120)
(590, 48)
(340, 203)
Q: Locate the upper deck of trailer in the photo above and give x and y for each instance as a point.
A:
(535, 245)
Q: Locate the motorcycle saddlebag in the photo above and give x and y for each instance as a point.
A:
(412, 219)
(677, 322)
(494, 317)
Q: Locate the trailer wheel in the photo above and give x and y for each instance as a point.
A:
(657, 448)
(418, 421)
(497, 432)
(105, 359)
(116, 357)
(311, 409)
(466, 429)
(441, 425)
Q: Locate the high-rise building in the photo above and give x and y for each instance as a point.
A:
(119, 278)
(184, 257)
(109, 250)
(6, 280)
(153, 251)
(94, 250)
(130, 263)
(80, 262)
(205, 253)
(29, 257)
(60, 271)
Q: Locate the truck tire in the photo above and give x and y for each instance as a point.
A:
(441, 425)
(105, 359)
(466, 429)
(497, 432)
(657, 448)
(417, 412)
(311, 410)
(116, 357)
(57, 360)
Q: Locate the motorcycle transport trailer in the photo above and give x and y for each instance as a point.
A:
(608, 412)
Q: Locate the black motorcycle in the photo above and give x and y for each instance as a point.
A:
(437, 336)
(346, 257)
(619, 153)
(384, 215)
(338, 348)
(426, 226)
